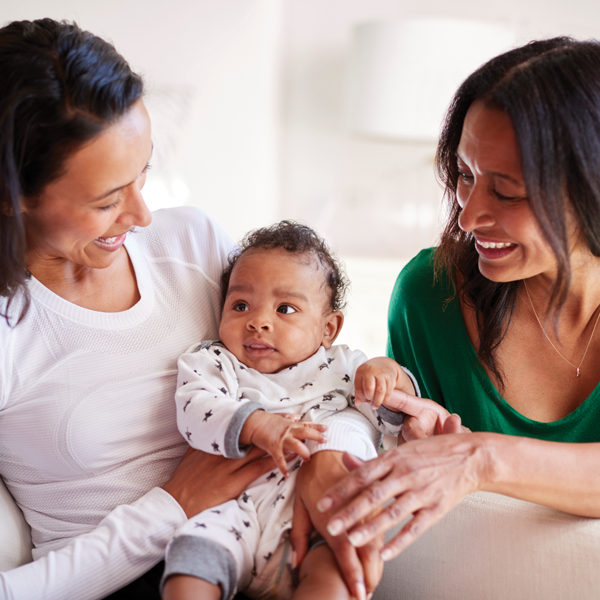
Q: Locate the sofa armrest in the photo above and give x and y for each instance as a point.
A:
(492, 547)
(15, 534)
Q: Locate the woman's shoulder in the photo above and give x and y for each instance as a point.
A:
(418, 281)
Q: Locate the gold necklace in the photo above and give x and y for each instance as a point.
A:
(555, 348)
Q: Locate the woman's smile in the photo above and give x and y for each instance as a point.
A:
(494, 250)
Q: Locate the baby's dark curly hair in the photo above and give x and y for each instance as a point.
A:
(298, 239)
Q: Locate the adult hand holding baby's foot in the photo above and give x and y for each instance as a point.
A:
(281, 436)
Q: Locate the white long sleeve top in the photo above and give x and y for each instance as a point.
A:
(87, 426)
(216, 393)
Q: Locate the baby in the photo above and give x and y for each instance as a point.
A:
(276, 381)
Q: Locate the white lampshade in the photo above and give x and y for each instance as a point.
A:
(403, 73)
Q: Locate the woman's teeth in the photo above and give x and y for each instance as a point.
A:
(109, 240)
(495, 244)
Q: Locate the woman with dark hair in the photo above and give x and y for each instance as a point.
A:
(98, 299)
(499, 322)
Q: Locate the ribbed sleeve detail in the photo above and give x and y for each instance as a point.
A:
(349, 431)
(127, 543)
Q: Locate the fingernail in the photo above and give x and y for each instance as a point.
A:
(361, 591)
(356, 538)
(294, 560)
(386, 555)
(335, 527)
(324, 504)
(369, 596)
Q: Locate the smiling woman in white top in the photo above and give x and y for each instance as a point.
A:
(98, 298)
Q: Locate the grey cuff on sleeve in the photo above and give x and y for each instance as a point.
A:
(391, 417)
(232, 435)
(202, 558)
(413, 379)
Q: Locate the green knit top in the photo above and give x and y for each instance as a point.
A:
(427, 334)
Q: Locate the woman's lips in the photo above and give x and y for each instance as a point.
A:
(110, 244)
(494, 250)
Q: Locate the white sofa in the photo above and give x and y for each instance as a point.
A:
(490, 547)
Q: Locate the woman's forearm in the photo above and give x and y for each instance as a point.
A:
(426, 478)
(555, 474)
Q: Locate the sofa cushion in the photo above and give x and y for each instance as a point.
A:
(15, 535)
(492, 547)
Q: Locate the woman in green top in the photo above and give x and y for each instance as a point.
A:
(499, 323)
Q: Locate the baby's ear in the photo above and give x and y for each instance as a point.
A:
(333, 326)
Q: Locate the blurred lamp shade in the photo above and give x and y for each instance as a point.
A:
(403, 73)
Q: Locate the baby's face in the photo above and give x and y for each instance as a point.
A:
(277, 310)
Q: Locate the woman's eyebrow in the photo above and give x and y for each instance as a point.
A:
(98, 198)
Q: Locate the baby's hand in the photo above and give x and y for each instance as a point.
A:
(376, 379)
(280, 435)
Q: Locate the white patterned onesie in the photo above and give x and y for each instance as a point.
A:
(242, 544)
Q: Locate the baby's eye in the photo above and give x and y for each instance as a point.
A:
(240, 307)
(286, 309)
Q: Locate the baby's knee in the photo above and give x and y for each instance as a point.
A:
(320, 577)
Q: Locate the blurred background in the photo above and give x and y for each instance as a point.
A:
(326, 111)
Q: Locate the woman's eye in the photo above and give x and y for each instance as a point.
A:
(240, 307)
(147, 168)
(506, 198)
(286, 309)
(111, 205)
(465, 176)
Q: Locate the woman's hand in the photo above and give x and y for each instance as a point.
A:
(203, 480)
(361, 567)
(425, 418)
(425, 478)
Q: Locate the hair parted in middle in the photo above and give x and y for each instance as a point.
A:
(299, 239)
(550, 89)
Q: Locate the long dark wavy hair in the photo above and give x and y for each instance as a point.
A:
(60, 87)
(551, 91)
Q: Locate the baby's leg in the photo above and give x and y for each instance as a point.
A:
(320, 577)
(187, 587)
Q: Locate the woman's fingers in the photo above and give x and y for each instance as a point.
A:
(392, 515)
(372, 563)
(353, 483)
(350, 567)
(352, 462)
(417, 407)
(228, 478)
(301, 530)
(412, 429)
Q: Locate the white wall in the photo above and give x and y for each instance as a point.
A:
(329, 174)
(246, 98)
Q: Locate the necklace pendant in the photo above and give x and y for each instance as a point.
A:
(578, 373)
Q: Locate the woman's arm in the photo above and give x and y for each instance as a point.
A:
(132, 538)
(428, 477)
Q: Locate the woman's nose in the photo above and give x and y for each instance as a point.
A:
(476, 210)
(135, 211)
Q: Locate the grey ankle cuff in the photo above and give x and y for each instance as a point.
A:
(202, 558)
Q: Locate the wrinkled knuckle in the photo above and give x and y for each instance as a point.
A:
(362, 477)
(375, 493)
(395, 511)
